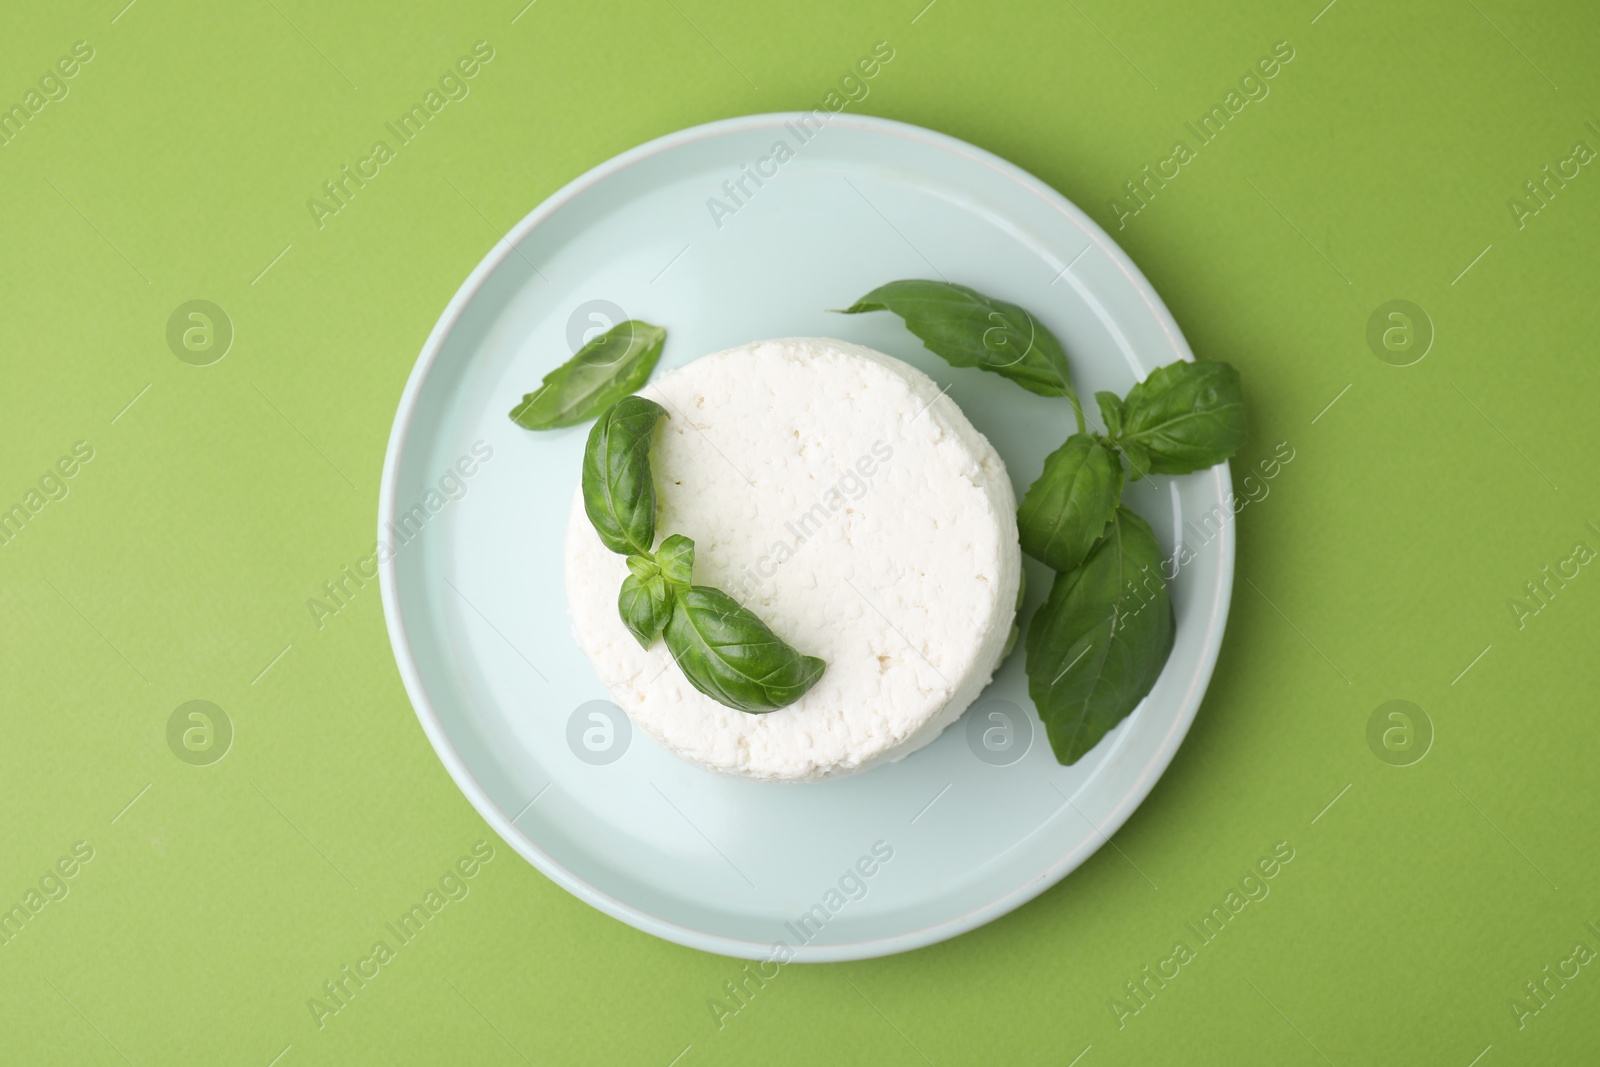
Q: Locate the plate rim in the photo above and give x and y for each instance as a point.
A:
(520, 842)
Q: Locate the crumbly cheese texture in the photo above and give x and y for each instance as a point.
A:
(838, 494)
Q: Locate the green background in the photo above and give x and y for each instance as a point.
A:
(1381, 565)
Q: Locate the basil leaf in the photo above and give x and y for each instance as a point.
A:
(645, 605)
(1138, 458)
(1066, 510)
(728, 654)
(676, 558)
(1188, 416)
(969, 329)
(647, 595)
(643, 567)
(1112, 410)
(618, 492)
(1098, 643)
(602, 372)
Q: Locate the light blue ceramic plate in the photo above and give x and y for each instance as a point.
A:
(675, 233)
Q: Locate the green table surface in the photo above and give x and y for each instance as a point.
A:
(1433, 912)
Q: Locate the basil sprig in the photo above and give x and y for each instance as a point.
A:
(724, 650)
(605, 370)
(968, 329)
(1097, 645)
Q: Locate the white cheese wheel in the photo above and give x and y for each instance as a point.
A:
(834, 491)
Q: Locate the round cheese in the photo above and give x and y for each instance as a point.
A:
(841, 496)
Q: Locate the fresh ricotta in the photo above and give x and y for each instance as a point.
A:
(838, 494)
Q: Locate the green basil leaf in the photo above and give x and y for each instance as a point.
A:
(618, 493)
(643, 567)
(1066, 510)
(1188, 416)
(645, 605)
(731, 656)
(1112, 411)
(602, 372)
(1138, 458)
(676, 558)
(969, 329)
(1098, 643)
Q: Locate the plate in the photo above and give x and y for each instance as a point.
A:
(736, 231)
